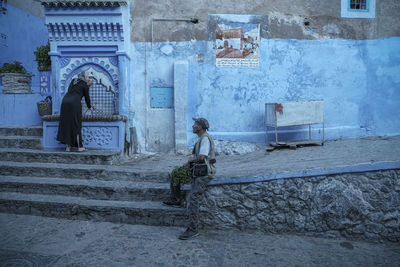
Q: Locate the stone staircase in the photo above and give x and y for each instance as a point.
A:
(90, 185)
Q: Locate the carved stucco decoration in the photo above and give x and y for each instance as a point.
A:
(100, 136)
(93, 135)
(104, 69)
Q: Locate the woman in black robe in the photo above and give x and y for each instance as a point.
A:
(70, 126)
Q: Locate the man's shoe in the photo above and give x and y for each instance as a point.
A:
(189, 233)
(172, 202)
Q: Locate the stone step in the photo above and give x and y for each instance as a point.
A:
(99, 157)
(21, 131)
(133, 212)
(28, 142)
(93, 189)
(81, 171)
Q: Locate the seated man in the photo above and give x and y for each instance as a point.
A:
(203, 152)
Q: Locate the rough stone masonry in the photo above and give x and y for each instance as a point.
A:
(360, 206)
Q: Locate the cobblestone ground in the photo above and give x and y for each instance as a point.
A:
(37, 241)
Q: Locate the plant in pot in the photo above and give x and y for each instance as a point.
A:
(15, 78)
(44, 66)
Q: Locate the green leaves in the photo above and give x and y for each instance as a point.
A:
(15, 67)
(43, 58)
(181, 175)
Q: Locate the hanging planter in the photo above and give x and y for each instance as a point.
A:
(15, 79)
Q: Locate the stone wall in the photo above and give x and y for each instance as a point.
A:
(34, 7)
(358, 205)
(287, 19)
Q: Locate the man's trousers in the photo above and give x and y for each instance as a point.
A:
(199, 185)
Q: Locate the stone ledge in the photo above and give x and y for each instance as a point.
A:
(359, 168)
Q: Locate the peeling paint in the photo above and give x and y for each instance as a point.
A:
(167, 50)
(331, 29)
(299, 21)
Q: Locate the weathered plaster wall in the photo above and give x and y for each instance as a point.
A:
(308, 51)
(358, 81)
(287, 19)
(153, 66)
(25, 32)
(34, 7)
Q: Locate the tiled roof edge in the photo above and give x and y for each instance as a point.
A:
(82, 3)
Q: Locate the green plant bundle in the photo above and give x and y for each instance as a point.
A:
(180, 175)
(42, 57)
(15, 67)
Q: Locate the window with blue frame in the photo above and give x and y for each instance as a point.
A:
(358, 8)
(359, 5)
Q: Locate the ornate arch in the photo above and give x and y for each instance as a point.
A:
(105, 70)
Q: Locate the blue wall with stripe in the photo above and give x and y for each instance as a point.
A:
(359, 81)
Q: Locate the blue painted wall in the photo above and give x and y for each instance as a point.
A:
(359, 81)
(25, 32)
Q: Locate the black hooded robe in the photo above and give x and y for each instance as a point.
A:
(70, 125)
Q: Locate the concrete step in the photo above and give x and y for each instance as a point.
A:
(97, 157)
(21, 131)
(93, 189)
(133, 212)
(81, 171)
(28, 142)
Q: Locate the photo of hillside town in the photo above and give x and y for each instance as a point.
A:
(237, 44)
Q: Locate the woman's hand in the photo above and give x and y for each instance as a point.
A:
(89, 80)
(92, 109)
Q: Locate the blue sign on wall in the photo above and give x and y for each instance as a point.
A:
(161, 97)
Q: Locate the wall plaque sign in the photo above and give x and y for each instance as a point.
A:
(161, 97)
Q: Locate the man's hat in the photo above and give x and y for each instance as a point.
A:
(202, 122)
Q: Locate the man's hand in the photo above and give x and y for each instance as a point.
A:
(200, 158)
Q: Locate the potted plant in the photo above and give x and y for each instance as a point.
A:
(44, 66)
(15, 78)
